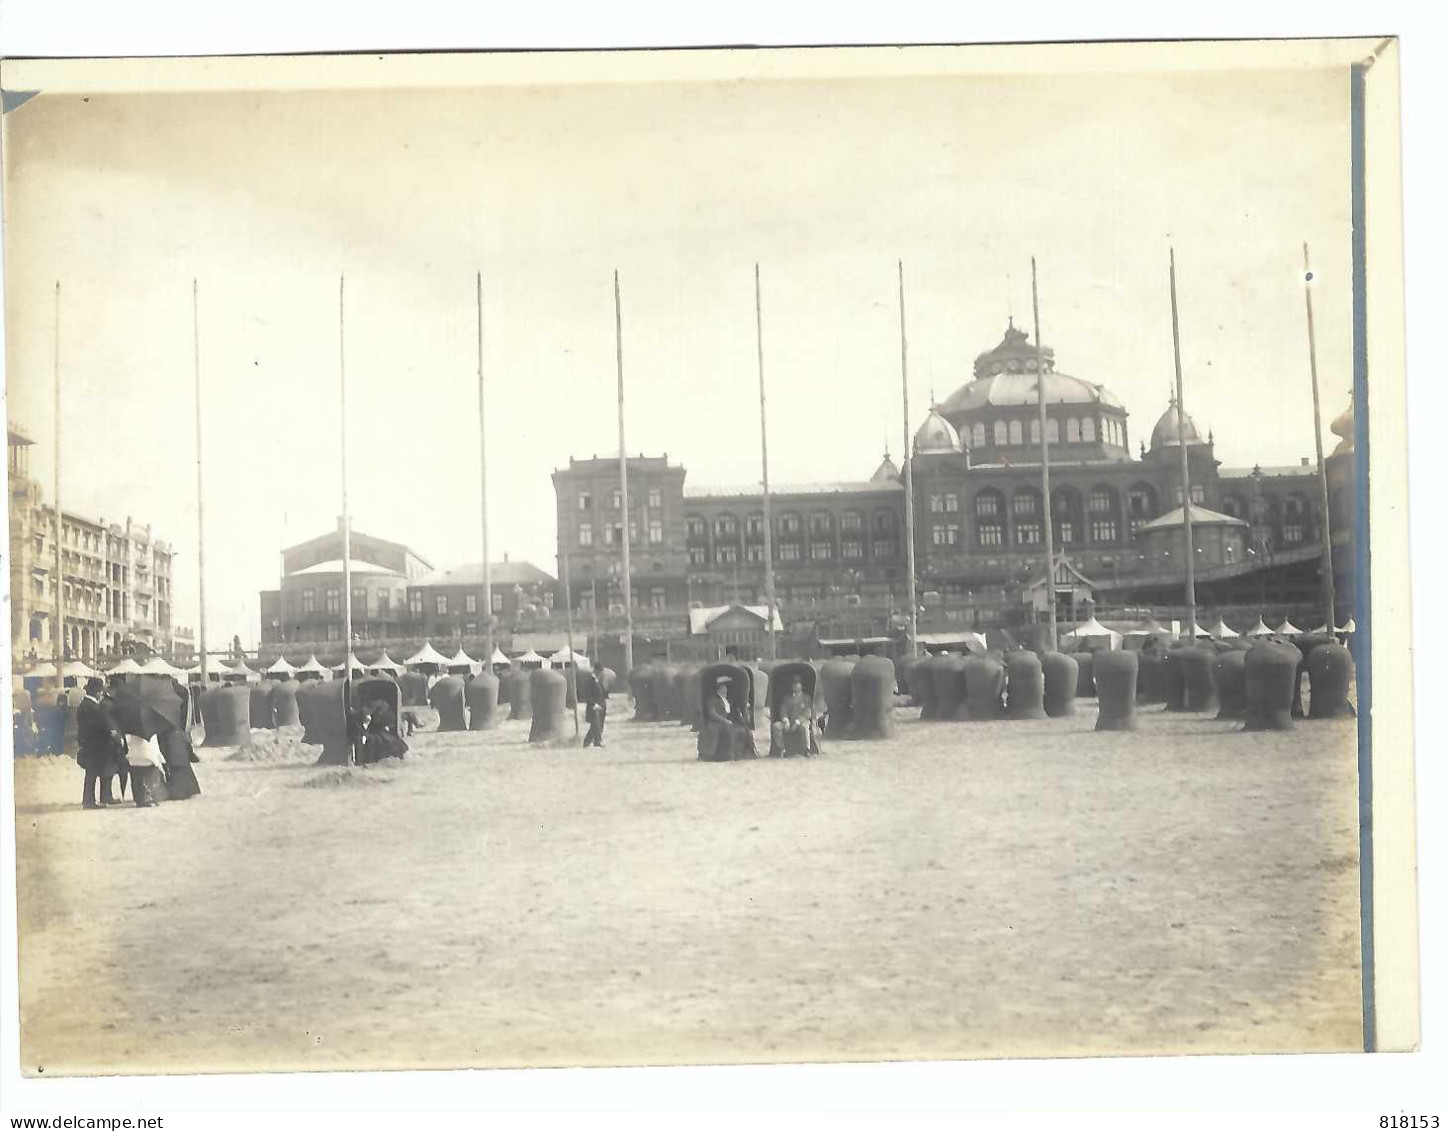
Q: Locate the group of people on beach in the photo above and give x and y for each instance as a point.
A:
(124, 739)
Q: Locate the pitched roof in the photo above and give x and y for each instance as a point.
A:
(1201, 516)
(355, 566)
(701, 619)
(499, 573)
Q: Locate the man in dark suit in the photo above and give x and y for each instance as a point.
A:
(596, 701)
(99, 743)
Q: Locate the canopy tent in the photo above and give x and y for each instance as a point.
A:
(352, 663)
(947, 641)
(1260, 629)
(462, 659)
(239, 668)
(1288, 629)
(560, 659)
(1149, 627)
(1199, 630)
(1221, 631)
(280, 666)
(157, 666)
(127, 666)
(71, 669)
(193, 671)
(498, 657)
(312, 667)
(1095, 629)
(427, 655)
(530, 657)
(386, 663)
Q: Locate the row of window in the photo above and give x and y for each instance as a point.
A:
(654, 499)
(612, 534)
(1084, 430)
(381, 602)
(790, 524)
(851, 550)
(1028, 532)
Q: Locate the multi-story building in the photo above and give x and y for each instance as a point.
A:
(308, 605)
(397, 595)
(978, 509)
(117, 596)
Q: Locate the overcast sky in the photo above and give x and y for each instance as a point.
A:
(267, 197)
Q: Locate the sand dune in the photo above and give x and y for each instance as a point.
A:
(962, 890)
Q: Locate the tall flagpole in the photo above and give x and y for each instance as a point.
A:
(573, 668)
(906, 465)
(770, 608)
(346, 517)
(1190, 594)
(1047, 532)
(200, 495)
(483, 495)
(58, 640)
(1326, 567)
(623, 485)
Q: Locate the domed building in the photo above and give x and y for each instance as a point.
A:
(996, 414)
(980, 519)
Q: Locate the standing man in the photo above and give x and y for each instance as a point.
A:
(596, 701)
(99, 743)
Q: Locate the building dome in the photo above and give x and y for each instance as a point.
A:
(1165, 432)
(936, 435)
(1006, 376)
(887, 472)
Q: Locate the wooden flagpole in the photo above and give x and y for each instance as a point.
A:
(770, 606)
(1326, 565)
(346, 517)
(623, 486)
(200, 493)
(906, 468)
(1047, 531)
(1189, 593)
(483, 494)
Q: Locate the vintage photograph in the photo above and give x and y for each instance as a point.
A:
(713, 557)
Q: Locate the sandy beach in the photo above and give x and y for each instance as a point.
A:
(962, 890)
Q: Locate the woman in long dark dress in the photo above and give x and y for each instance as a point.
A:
(382, 739)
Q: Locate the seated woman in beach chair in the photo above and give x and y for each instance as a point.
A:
(726, 735)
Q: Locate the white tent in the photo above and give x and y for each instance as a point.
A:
(70, 669)
(463, 660)
(1149, 627)
(1199, 630)
(157, 666)
(281, 667)
(560, 659)
(127, 666)
(313, 666)
(1287, 629)
(352, 661)
(530, 657)
(386, 663)
(427, 655)
(239, 668)
(1260, 629)
(1094, 629)
(1221, 631)
(498, 657)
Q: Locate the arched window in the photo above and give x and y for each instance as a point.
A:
(1067, 515)
(789, 524)
(1103, 514)
(1027, 516)
(1142, 505)
(1035, 431)
(1089, 430)
(1054, 433)
(821, 524)
(883, 522)
(979, 435)
(726, 526)
(999, 432)
(694, 527)
(755, 525)
(1014, 432)
(989, 510)
(1074, 430)
(852, 522)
